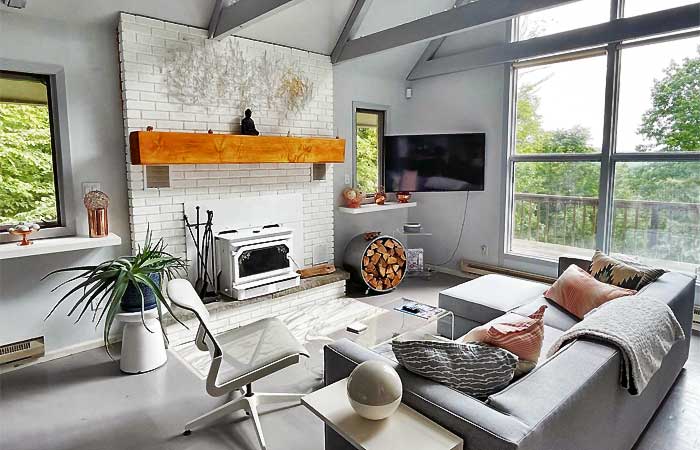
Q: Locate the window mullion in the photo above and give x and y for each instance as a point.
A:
(607, 165)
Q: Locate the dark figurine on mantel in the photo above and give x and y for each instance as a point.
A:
(248, 125)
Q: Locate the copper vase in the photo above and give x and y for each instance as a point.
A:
(98, 223)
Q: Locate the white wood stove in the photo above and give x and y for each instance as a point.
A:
(255, 261)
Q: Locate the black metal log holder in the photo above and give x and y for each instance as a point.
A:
(203, 239)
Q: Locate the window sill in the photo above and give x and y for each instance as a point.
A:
(371, 207)
(57, 245)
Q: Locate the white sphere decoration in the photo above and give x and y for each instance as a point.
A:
(374, 390)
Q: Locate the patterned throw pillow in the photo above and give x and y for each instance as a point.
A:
(520, 336)
(623, 273)
(579, 293)
(476, 369)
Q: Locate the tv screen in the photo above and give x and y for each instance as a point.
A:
(434, 162)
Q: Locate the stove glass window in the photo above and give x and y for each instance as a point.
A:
(261, 260)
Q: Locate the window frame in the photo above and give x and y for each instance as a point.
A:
(383, 121)
(608, 157)
(58, 117)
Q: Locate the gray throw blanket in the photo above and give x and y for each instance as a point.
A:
(643, 329)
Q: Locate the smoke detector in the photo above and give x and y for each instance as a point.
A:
(17, 4)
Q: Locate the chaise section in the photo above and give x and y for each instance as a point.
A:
(483, 299)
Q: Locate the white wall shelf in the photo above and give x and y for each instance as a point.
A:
(57, 245)
(420, 233)
(371, 207)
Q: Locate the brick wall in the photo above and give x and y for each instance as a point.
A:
(144, 45)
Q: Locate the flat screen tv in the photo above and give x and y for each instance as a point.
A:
(434, 162)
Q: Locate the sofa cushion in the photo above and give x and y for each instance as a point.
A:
(551, 334)
(579, 293)
(522, 335)
(485, 298)
(476, 369)
(622, 272)
(554, 316)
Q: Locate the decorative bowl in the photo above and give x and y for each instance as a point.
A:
(403, 197)
(24, 229)
(374, 390)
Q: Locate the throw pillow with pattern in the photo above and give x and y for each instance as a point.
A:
(623, 273)
(476, 369)
(522, 336)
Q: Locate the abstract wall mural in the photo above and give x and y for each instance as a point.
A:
(219, 73)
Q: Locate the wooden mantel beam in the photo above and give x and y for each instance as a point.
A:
(161, 148)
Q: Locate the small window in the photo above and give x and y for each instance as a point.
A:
(28, 160)
(369, 137)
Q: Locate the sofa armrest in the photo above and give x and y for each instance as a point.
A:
(481, 426)
(566, 260)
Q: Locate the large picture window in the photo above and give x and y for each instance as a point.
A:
(605, 144)
(28, 175)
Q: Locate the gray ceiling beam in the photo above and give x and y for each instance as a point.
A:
(237, 15)
(444, 23)
(215, 16)
(357, 13)
(433, 46)
(651, 24)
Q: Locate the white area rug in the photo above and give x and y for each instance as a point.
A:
(310, 324)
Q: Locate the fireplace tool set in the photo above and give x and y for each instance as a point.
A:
(203, 238)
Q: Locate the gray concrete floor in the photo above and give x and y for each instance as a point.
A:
(83, 402)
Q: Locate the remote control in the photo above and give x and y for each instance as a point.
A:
(411, 309)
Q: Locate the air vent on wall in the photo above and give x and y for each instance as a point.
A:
(696, 317)
(18, 4)
(16, 351)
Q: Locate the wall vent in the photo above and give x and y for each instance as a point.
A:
(16, 351)
(696, 317)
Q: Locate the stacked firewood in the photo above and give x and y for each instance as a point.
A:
(384, 264)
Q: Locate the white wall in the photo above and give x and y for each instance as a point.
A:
(351, 83)
(89, 56)
(463, 102)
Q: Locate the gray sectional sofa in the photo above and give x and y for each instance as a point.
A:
(571, 401)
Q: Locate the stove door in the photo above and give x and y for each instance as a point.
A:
(260, 261)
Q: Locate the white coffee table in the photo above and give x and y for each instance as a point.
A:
(405, 429)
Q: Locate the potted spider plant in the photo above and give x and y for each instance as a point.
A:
(125, 284)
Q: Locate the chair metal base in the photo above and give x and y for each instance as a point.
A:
(248, 403)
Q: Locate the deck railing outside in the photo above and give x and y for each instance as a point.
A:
(652, 229)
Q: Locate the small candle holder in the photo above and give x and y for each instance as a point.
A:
(380, 196)
(24, 229)
(403, 196)
(96, 203)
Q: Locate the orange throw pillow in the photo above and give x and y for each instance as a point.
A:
(579, 293)
(522, 337)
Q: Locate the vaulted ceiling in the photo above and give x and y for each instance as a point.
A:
(312, 25)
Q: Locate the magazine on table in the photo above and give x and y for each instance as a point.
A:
(419, 309)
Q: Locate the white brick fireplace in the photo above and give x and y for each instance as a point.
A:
(144, 45)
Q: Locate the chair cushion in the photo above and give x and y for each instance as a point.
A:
(254, 346)
(485, 298)
(579, 293)
(476, 369)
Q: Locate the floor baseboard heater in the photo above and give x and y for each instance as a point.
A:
(21, 350)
